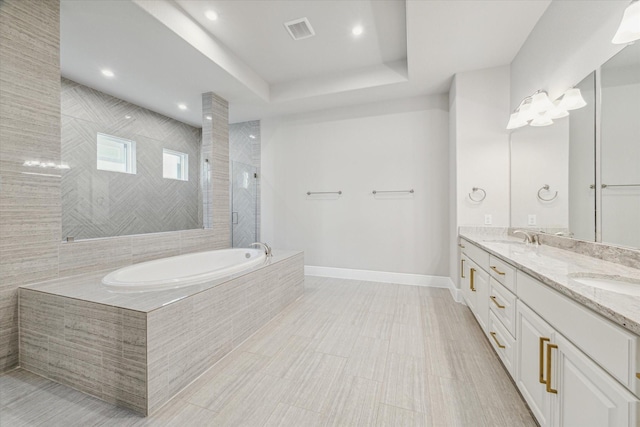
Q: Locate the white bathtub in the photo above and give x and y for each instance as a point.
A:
(183, 270)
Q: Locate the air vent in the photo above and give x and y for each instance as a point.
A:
(299, 29)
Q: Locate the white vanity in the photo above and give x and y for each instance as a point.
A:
(571, 346)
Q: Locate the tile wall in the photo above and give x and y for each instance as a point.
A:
(98, 203)
(30, 205)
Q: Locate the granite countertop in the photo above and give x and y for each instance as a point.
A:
(555, 267)
(88, 287)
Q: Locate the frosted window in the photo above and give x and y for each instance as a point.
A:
(175, 165)
(116, 154)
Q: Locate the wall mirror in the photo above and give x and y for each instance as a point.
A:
(618, 163)
(581, 175)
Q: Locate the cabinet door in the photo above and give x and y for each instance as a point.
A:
(470, 268)
(481, 289)
(533, 335)
(587, 395)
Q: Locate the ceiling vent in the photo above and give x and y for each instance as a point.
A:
(299, 29)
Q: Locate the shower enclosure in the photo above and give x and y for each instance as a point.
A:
(244, 204)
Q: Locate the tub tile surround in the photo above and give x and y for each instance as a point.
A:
(553, 267)
(139, 350)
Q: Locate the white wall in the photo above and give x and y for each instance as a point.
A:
(571, 39)
(539, 156)
(482, 145)
(387, 146)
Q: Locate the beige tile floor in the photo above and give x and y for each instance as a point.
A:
(348, 353)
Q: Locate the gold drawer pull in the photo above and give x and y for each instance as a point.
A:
(462, 268)
(493, 335)
(549, 389)
(494, 268)
(495, 301)
(542, 341)
(471, 279)
(461, 245)
(638, 375)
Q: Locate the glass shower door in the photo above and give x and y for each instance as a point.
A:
(243, 204)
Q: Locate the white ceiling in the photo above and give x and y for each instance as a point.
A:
(165, 52)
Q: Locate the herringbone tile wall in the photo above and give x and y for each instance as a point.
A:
(97, 203)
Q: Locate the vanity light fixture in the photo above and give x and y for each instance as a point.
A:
(127, 117)
(211, 15)
(515, 121)
(542, 120)
(357, 30)
(182, 106)
(252, 136)
(629, 28)
(572, 100)
(556, 112)
(208, 117)
(538, 110)
(36, 163)
(107, 73)
(540, 102)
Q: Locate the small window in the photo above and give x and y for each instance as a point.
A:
(116, 154)
(175, 165)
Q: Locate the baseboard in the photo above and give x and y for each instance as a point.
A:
(386, 277)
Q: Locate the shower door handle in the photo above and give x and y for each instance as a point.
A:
(234, 217)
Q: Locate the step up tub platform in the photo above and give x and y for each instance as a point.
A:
(139, 349)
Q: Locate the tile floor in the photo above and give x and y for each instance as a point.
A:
(348, 353)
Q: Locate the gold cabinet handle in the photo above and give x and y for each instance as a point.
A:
(493, 335)
(471, 279)
(495, 301)
(549, 389)
(541, 371)
(461, 245)
(462, 268)
(638, 375)
(494, 268)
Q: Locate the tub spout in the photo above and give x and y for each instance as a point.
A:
(267, 248)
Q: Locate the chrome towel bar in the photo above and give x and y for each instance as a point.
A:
(392, 191)
(324, 192)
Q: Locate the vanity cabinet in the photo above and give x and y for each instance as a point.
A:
(563, 386)
(474, 281)
(572, 366)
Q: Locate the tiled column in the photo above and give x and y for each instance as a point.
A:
(215, 149)
(29, 130)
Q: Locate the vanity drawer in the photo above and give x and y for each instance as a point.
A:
(502, 342)
(479, 256)
(503, 304)
(609, 345)
(503, 273)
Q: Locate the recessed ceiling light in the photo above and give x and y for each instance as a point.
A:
(208, 117)
(182, 106)
(357, 30)
(107, 73)
(211, 15)
(252, 136)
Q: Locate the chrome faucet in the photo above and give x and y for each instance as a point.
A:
(267, 248)
(529, 238)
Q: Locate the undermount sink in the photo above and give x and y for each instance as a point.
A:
(618, 284)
